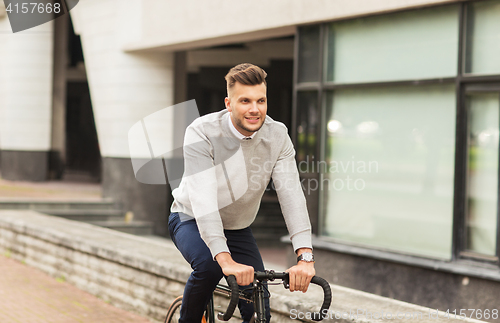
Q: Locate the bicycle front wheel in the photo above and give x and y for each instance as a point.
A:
(174, 312)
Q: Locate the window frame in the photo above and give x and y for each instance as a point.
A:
(461, 251)
(462, 261)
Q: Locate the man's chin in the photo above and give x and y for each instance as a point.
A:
(253, 128)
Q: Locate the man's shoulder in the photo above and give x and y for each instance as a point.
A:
(275, 127)
(210, 118)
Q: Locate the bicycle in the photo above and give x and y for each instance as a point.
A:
(256, 295)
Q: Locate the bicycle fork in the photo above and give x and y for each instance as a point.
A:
(259, 302)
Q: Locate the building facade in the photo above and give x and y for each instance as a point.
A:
(393, 107)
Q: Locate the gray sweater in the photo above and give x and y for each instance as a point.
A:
(225, 177)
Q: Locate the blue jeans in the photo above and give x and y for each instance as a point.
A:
(206, 271)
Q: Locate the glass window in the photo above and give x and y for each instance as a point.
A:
(483, 38)
(388, 172)
(417, 44)
(307, 122)
(482, 190)
(308, 70)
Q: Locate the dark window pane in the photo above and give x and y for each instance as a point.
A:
(308, 54)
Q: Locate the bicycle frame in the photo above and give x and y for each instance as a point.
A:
(257, 297)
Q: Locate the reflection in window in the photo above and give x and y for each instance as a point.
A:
(483, 172)
(388, 171)
(307, 123)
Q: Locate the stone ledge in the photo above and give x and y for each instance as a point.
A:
(144, 275)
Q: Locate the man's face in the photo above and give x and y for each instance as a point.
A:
(247, 105)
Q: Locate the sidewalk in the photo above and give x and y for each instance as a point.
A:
(29, 295)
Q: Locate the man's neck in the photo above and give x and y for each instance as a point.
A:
(236, 132)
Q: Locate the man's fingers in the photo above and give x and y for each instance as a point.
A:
(302, 285)
(308, 281)
(244, 276)
(291, 281)
(299, 279)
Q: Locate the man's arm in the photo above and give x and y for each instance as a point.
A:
(293, 204)
(200, 178)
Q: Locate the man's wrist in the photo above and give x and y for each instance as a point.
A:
(305, 255)
(224, 258)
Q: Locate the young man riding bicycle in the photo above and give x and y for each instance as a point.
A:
(229, 158)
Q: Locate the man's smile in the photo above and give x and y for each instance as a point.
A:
(252, 119)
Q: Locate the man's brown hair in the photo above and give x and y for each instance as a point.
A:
(247, 74)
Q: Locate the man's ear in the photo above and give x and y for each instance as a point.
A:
(228, 104)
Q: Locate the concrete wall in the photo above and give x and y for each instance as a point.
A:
(26, 63)
(147, 202)
(207, 23)
(144, 275)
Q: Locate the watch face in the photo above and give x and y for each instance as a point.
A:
(307, 256)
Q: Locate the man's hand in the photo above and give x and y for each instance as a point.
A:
(301, 274)
(243, 273)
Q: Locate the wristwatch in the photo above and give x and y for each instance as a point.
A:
(306, 256)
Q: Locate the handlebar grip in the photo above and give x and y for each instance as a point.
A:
(233, 285)
(327, 300)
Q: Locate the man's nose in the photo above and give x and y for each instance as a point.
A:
(253, 108)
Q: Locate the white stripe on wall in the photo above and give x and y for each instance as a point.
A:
(26, 70)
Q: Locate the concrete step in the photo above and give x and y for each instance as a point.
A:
(85, 215)
(103, 212)
(23, 204)
(140, 228)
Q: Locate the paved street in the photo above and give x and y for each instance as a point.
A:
(29, 295)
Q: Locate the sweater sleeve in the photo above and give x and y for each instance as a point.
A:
(201, 179)
(291, 197)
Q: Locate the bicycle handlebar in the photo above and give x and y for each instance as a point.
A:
(233, 285)
(327, 299)
(270, 276)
